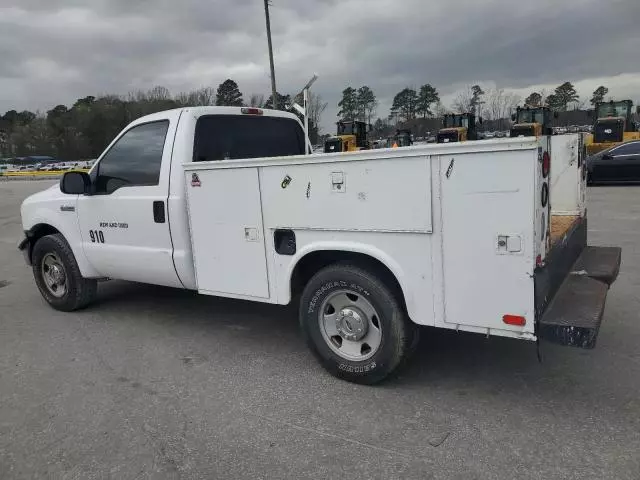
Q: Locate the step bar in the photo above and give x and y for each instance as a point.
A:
(574, 314)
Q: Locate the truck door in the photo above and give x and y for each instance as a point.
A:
(124, 226)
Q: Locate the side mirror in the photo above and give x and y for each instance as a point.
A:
(555, 115)
(513, 117)
(607, 156)
(480, 120)
(75, 183)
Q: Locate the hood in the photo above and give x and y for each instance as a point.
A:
(49, 199)
(49, 193)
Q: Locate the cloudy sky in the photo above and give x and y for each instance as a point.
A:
(54, 51)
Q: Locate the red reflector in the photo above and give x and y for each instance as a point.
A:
(546, 164)
(251, 111)
(539, 261)
(514, 320)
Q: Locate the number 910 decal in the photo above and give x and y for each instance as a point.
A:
(96, 236)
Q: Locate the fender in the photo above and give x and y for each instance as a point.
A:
(43, 217)
(354, 247)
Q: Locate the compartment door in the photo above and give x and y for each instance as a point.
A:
(225, 216)
(487, 229)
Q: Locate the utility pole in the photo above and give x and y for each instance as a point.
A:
(274, 95)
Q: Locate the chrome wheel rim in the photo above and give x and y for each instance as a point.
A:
(54, 275)
(350, 325)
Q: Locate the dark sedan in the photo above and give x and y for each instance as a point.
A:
(616, 164)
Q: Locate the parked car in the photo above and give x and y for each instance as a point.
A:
(617, 164)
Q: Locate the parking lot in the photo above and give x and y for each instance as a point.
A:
(151, 382)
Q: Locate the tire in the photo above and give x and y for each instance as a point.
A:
(384, 344)
(58, 277)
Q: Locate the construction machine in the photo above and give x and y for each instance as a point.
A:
(532, 122)
(458, 127)
(351, 137)
(402, 138)
(613, 125)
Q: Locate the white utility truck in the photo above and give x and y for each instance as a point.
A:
(373, 243)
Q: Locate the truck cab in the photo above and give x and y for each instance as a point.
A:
(457, 127)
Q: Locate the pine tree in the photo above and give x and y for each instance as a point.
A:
(228, 94)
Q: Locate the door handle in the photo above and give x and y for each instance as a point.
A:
(158, 211)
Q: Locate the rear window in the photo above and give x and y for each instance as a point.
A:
(228, 137)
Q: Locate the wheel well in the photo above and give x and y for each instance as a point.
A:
(311, 263)
(37, 232)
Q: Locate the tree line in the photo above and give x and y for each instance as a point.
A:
(424, 103)
(84, 129)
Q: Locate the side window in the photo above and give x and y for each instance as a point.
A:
(134, 160)
(627, 149)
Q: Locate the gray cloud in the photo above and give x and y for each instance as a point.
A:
(56, 51)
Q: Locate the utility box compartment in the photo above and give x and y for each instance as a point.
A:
(387, 195)
(227, 236)
(488, 238)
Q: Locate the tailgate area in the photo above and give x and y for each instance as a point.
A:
(574, 314)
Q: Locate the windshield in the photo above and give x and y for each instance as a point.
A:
(530, 116)
(227, 137)
(451, 121)
(346, 128)
(615, 109)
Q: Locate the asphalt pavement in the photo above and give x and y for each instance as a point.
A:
(151, 382)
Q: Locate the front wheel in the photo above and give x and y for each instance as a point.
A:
(355, 324)
(58, 276)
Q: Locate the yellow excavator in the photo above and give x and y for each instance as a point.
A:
(532, 122)
(613, 125)
(351, 137)
(458, 127)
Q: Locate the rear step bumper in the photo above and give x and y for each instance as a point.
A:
(574, 315)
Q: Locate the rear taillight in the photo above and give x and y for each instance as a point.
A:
(251, 111)
(546, 164)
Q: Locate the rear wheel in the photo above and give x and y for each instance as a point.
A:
(58, 276)
(355, 324)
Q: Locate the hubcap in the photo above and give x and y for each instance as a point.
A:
(54, 275)
(350, 325)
